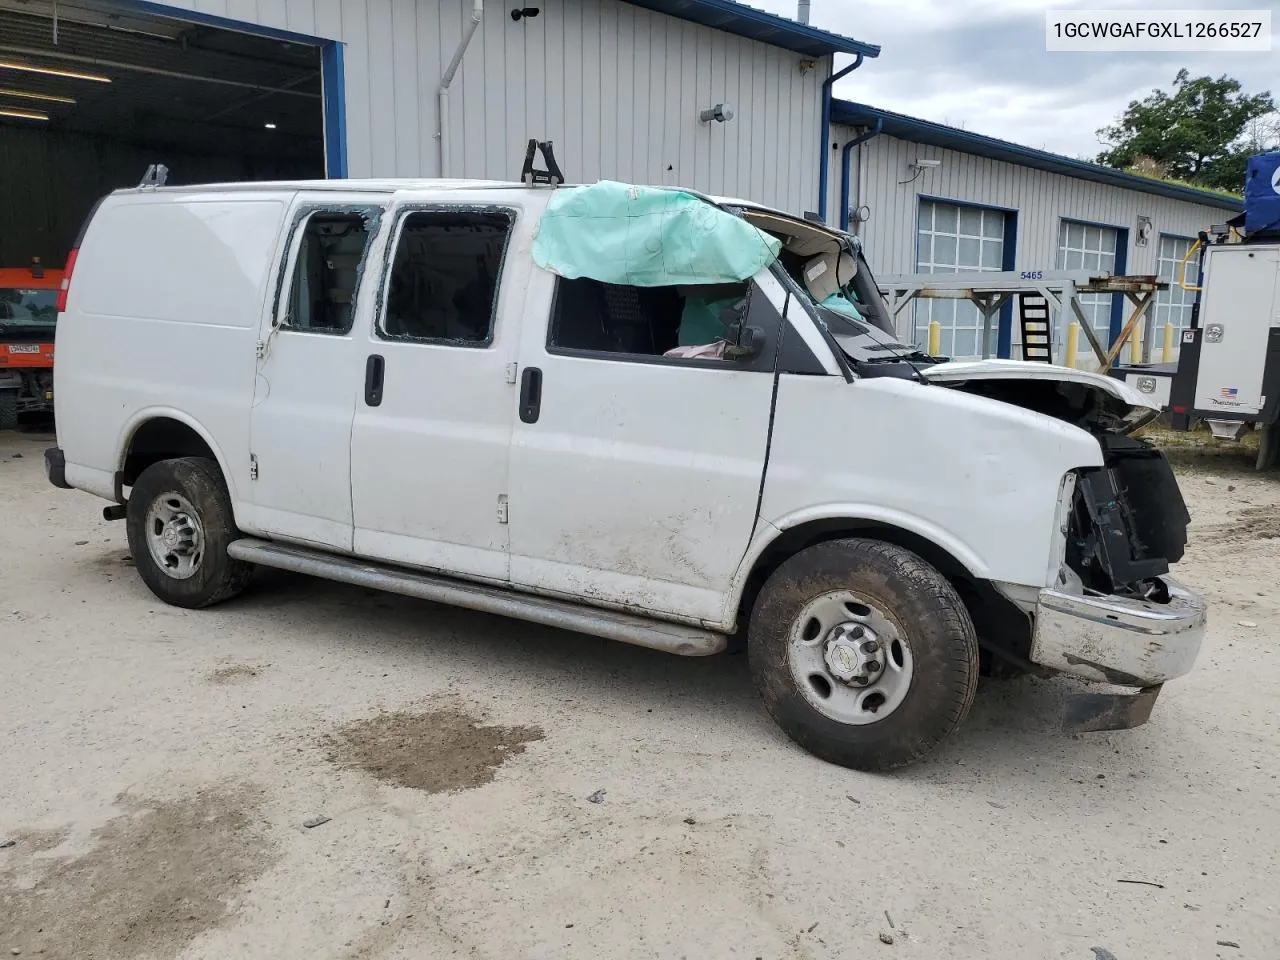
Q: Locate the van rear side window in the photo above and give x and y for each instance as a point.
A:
(325, 275)
(444, 278)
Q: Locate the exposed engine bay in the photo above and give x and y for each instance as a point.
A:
(1128, 520)
(1080, 404)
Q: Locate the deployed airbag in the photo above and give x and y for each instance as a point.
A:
(647, 237)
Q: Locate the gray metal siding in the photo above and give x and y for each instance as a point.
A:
(1040, 199)
(616, 87)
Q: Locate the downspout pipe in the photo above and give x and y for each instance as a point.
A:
(824, 156)
(442, 105)
(845, 154)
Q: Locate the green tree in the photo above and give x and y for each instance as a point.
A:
(1197, 134)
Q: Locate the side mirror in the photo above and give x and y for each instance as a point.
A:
(744, 342)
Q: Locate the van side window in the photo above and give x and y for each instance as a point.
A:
(597, 317)
(444, 278)
(322, 294)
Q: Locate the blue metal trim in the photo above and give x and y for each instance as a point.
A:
(1004, 330)
(744, 21)
(845, 171)
(209, 19)
(333, 89)
(824, 155)
(972, 205)
(898, 125)
(1122, 266)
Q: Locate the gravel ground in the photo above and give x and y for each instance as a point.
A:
(577, 798)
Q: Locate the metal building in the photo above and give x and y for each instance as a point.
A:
(409, 88)
(930, 198)
(91, 91)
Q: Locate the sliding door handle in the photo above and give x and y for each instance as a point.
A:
(530, 394)
(373, 373)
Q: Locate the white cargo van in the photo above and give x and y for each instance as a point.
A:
(382, 383)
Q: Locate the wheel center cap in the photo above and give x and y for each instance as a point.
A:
(854, 655)
(170, 537)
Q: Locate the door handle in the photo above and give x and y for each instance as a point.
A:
(530, 394)
(373, 371)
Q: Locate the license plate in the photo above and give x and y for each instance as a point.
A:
(24, 348)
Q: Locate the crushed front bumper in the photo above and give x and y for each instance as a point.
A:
(1116, 640)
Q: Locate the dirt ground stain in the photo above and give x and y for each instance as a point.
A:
(437, 751)
(1251, 523)
(151, 882)
(233, 673)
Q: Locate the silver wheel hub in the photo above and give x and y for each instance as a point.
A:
(851, 661)
(853, 654)
(175, 537)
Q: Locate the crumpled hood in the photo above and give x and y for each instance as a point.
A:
(1076, 395)
(955, 371)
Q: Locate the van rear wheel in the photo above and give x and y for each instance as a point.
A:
(863, 653)
(180, 524)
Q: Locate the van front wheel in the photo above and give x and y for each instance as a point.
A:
(180, 523)
(864, 654)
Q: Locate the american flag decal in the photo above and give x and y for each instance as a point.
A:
(1229, 393)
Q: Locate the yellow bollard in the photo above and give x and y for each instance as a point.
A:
(1135, 345)
(1166, 351)
(1073, 344)
(935, 338)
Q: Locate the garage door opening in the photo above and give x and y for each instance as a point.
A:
(92, 92)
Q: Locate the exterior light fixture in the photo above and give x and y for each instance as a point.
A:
(720, 113)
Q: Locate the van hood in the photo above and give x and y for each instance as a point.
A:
(1078, 396)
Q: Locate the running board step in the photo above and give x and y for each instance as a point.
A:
(675, 638)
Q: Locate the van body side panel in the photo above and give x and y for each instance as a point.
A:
(949, 466)
(163, 313)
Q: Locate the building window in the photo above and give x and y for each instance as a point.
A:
(1092, 249)
(954, 239)
(1172, 306)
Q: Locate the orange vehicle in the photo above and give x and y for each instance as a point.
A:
(28, 316)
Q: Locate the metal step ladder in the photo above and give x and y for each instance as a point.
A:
(1037, 329)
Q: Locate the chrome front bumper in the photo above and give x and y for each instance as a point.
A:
(1131, 643)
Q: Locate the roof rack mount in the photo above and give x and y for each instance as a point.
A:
(550, 176)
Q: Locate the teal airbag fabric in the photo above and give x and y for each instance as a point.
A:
(647, 237)
(842, 305)
(700, 321)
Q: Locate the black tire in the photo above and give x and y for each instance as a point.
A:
(927, 613)
(8, 409)
(198, 481)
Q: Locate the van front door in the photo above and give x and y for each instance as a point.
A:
(308, 381)
(635, 476)
(431, 441)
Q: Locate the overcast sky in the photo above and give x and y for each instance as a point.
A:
(981, 65)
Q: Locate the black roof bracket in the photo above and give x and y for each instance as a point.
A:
(550, 176)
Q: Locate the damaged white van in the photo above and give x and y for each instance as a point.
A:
(626, 411)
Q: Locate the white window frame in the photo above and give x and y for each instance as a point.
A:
(1089, 253)
(1172, 306)
(959, 319)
